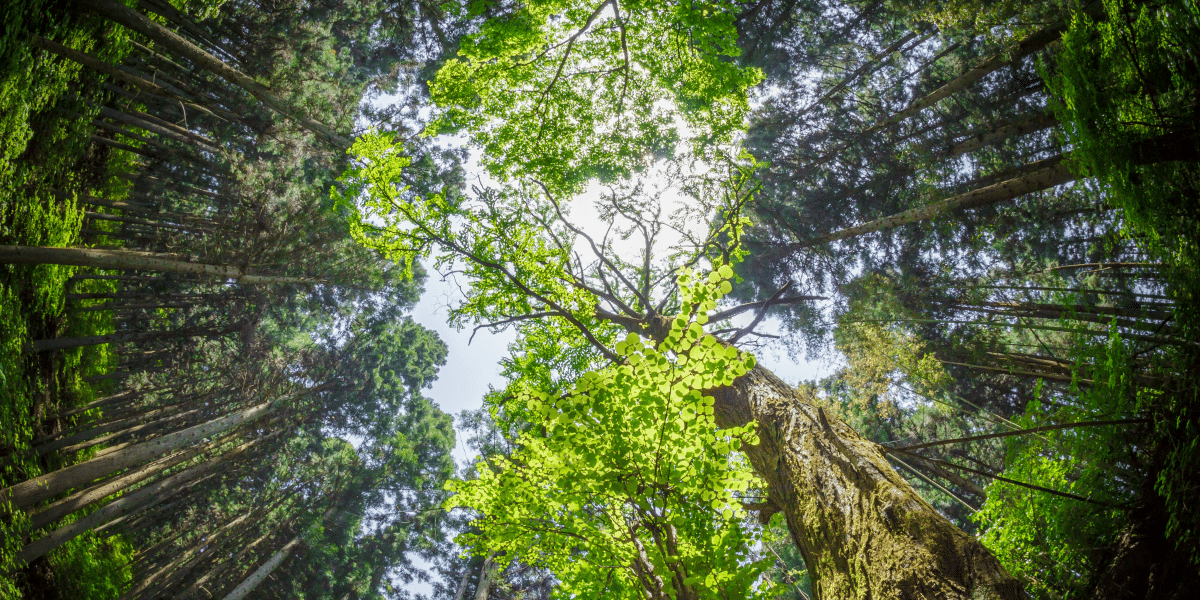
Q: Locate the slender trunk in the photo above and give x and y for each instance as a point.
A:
(171, 185)
(1139, 313)
(127, 75)
(862, 529)
(159, 122)
(120, 13)
(1038, 176)
(1057, 173)
(167, 101)
(852, 77)
(210, 553)
(140, 221)
(128, 504)
(186, 560)
(145, 430)
(112, 399)
(179, 19)
(1128, 294)
(116, 422)
(257, 577)
(1035, 122)
(124, 259)
(87, 497)
(172, 151)
(1036, 41)
(32, 491)
(1083, 317)
(143, 306)
(125, 338)
(223, 566)
(462, 583)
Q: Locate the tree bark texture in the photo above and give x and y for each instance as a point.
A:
(862, 529)
(85, 498)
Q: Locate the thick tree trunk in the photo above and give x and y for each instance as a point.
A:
(124, 259)
(863, 531)
(120, 13)
(257, 577)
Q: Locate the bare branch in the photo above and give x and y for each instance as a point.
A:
(509, 320)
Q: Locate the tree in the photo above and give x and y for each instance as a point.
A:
(516, 245)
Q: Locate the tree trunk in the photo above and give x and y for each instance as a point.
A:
(1035, 122)
(85, 498)
(222, 566)
(32, 491)
(852, 77)
(863, 531)
(185, 561)
(125, 338)
(128, 504)
(180, 20)
(124, 259)
(120, 13)
(486, 573)
(251, 582)
(1036, 41)
(1057, 172)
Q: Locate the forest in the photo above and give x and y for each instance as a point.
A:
(217, 217)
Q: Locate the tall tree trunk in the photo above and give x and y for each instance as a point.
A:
(1038, 176)
(1057, 172)
(863, 531)
(125, 338)
(183, 227)
(124, 259)
(32, 491)
(486, 573)
(1034, 42)
(1035, 122)
(87, 497)
(124, 506)
(220, 568)
(257, 577)
(185, 560)
(120, 13)
(853, 76)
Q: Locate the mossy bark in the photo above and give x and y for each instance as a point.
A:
(864, 532)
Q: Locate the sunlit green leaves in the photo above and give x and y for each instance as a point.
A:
(624, 482)
(565, 91)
